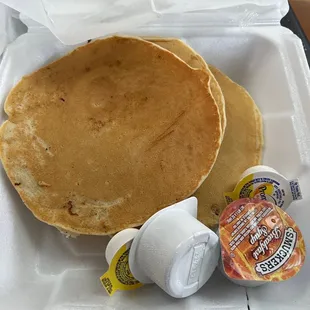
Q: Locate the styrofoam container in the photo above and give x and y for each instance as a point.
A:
(41, 269)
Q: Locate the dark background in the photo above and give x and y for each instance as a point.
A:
(298, 20)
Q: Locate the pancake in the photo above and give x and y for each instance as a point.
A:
(187, 54)
(241, 148)
(104, 137)
(243, 141)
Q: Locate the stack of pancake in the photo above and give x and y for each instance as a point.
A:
(120, 128)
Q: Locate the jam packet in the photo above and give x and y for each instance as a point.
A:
(260, 243)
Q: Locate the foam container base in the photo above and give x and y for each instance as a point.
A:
(41, 269)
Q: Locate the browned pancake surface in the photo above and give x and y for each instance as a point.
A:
(241, 149)
(187, 54)
(104, 137)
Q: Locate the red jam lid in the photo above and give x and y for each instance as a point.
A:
(260, 242)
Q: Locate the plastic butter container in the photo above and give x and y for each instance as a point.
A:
(119, 277)
(260, 243)
(172, 249)
(266, 183)
(40, 269)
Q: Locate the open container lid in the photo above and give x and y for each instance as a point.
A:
(73, 22)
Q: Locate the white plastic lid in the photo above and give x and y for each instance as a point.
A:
(175, 250)
(193, 265)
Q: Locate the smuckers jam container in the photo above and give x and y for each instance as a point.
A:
(266, 183)
(260, 243)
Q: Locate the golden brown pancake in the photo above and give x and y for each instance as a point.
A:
(106, 136)
(187, 54)
(241, 148)
(243, 140)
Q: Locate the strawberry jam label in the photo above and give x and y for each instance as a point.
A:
(260, 242)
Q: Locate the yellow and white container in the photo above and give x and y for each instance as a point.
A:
(266, 183)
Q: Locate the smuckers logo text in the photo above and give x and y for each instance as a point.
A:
(263, 245)
(281, 256)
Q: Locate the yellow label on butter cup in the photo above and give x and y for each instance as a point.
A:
(235, 195)
(119, 276)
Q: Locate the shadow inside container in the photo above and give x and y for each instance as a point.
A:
(14, 210)
(217, 291)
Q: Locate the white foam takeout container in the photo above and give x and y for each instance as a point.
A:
(41, 269)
